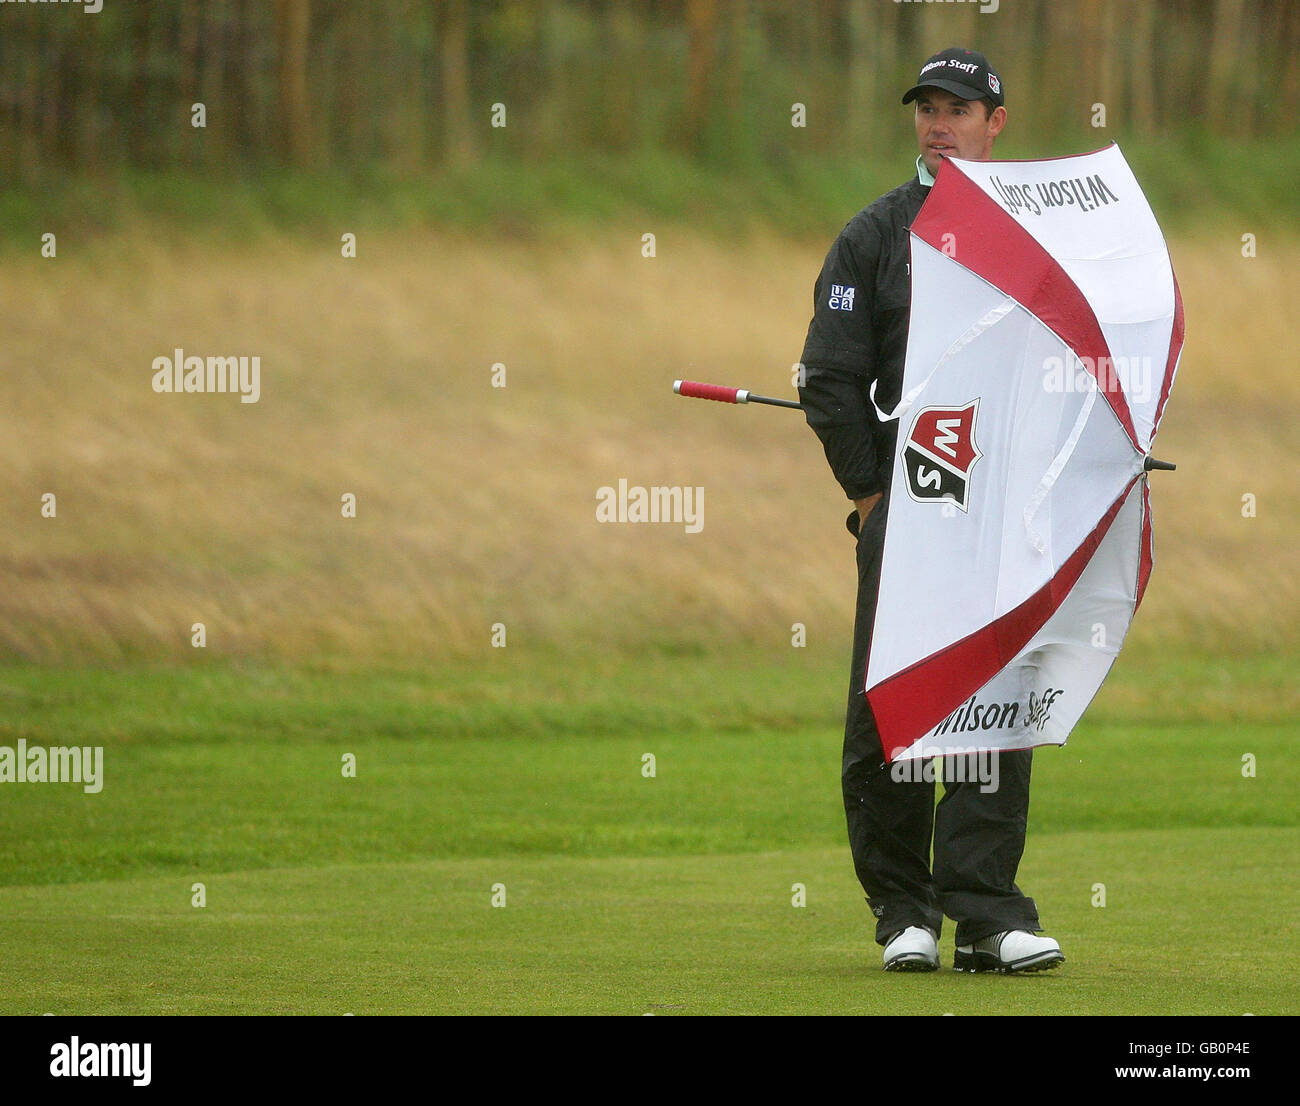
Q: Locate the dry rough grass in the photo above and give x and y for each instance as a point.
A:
(477, 504)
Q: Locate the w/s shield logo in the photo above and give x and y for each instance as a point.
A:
(939, 454)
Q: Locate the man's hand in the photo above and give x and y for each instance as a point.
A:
(865, 507)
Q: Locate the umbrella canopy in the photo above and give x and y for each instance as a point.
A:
(1045, 333)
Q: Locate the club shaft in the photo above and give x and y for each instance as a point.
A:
(775, 402)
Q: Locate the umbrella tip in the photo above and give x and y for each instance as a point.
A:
(1152, 463)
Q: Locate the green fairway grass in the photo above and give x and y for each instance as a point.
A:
(682, 934)
(624, 893)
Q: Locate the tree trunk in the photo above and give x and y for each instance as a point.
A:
(1225, 62)
(701, 25)
(1141, 66)
(292, 24)
(458, 133)
(867, 34)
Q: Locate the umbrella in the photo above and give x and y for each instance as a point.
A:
(1045, 332)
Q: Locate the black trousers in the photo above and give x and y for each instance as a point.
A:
(978, 835)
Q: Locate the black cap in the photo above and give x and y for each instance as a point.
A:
(964, 73)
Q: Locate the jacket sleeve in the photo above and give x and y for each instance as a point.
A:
(839, 359)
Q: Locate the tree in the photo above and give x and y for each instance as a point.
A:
(292, 24)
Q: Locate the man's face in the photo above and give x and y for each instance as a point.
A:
(948, 126)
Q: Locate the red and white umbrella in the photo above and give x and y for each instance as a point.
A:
(1045, 333)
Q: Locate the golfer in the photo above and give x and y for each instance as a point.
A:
(857, 340)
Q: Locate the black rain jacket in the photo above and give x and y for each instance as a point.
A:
(858, 335)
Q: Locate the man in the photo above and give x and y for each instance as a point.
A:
(857, 340)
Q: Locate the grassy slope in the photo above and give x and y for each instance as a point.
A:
(693, 935)
(227, 770)
(475, 504)
(1192, 179)
(624, 894)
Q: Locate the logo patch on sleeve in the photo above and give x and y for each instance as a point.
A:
(841, 297)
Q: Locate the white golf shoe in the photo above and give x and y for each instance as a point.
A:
(1014, 950)
(914, 949)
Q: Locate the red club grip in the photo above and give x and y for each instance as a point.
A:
(706, 391)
